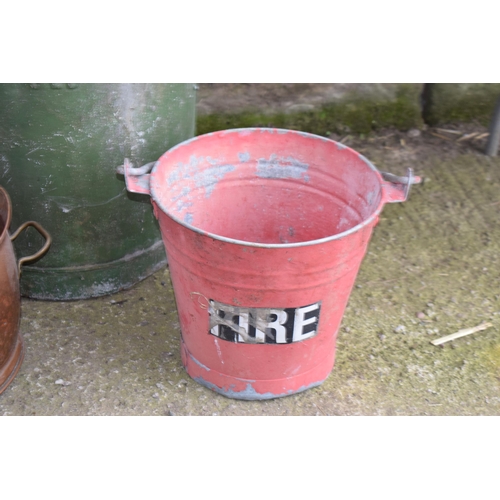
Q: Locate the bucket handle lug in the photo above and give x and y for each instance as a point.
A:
(397, 188)
(42, 251)
(136, 179)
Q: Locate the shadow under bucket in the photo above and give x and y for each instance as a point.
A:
(265, 231)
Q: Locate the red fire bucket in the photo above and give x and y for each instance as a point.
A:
(265, 230)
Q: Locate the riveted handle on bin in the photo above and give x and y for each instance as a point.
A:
(397, 188)
(136, 179)
(42, 251)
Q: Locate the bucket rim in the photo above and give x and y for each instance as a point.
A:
(368, 221)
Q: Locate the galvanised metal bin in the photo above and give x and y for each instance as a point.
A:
(59, 147)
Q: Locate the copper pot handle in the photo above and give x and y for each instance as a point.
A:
(42, 251)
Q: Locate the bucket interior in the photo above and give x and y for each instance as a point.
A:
(266, 186)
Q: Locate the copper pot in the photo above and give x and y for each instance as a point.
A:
(11, 341)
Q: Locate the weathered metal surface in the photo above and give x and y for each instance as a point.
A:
(36, 255)
(494, 132)
(265, 231)
(11, 341)
(59, 146)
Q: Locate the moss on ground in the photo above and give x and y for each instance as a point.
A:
(460, 102)
(353, 114)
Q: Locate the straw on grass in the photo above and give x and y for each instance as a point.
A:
(440, 136)
(482, 136)
(461, 333)
(467, 136)
(449, 131)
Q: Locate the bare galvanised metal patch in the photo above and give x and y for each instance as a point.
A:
(263, 325)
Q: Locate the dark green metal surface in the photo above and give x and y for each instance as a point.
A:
(60, 145)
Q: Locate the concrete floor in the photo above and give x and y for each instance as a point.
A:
(432, 268)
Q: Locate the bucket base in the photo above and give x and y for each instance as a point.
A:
(83, 282)
(249, 394)
(252, 390)
(12, 365)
